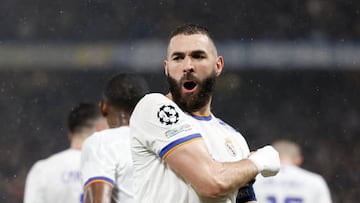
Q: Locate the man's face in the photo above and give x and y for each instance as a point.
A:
(191, 68)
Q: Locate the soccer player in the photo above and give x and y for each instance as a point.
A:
(57, 178)
(181, 151)
(106, 164)
(293, 184)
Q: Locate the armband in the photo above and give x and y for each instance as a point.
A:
(246, 193)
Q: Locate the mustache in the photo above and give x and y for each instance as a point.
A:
(189, 76)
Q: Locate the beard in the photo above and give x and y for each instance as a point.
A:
(196, 100)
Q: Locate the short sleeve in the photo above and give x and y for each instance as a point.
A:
(161, 126)
(97, 164)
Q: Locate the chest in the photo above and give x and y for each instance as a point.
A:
(223, 142)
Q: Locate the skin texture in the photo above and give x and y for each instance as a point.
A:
(98, 193)
(196, 55)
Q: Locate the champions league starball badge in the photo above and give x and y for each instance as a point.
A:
(168, 115)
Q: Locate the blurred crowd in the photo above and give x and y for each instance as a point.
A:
(65, 20)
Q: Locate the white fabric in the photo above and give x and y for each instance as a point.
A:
(55, 179)
(158, 127)
(292, 185)
(106, 157)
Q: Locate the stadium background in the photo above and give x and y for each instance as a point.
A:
(292, 69)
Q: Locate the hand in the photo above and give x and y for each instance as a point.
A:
(267, 160)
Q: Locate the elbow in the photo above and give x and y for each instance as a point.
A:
(213, 189)
(214, 182)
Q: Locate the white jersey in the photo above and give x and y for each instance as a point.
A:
(292, 185)
(55, 179)
(158, 127)
(106, 157)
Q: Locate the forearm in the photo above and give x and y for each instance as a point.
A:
(213, 179)
(208, 177)
(239, 173)
(231, 176)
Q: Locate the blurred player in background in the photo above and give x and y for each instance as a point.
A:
(182, 153)
(292, 184)
(57, 178)
(106, 164)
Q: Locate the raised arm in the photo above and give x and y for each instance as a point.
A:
(213, 179)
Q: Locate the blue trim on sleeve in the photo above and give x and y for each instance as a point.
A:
(100, 178)
(175, 143)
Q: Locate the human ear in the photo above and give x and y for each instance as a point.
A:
(103, 108)
(219, 65)
(166, 67)
(298, 161)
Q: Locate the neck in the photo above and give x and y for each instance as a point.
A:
(118, 119)
(287, 161)
(204, 111)
(76, 143)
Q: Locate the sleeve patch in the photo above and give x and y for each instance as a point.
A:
(174, 131)
(168, 115)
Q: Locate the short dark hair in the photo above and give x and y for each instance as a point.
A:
(83, 115)
(123, 91)
(190, 29)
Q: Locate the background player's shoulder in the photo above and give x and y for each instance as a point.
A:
(43, 164)
(38, 165)
(68, 155)
(312, 177)
(92, 140)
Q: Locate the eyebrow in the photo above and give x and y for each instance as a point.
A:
(192, 53)
(177, 54)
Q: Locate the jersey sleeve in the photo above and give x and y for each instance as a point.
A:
(161, 126)
(34, 184)
(98, 164)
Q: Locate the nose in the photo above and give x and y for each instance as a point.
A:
(188, 65)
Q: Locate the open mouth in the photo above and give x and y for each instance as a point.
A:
(189, 85)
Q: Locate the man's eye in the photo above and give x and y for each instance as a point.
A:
(198, 56)
(176, 58)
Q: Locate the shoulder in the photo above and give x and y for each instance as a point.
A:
(154, 98)
(106, 141)
(38, 166)
(308, 177)
(107, 136)
(60, 156)
(43, 164)
(224, 124)
(312, 176)
(153, 104)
